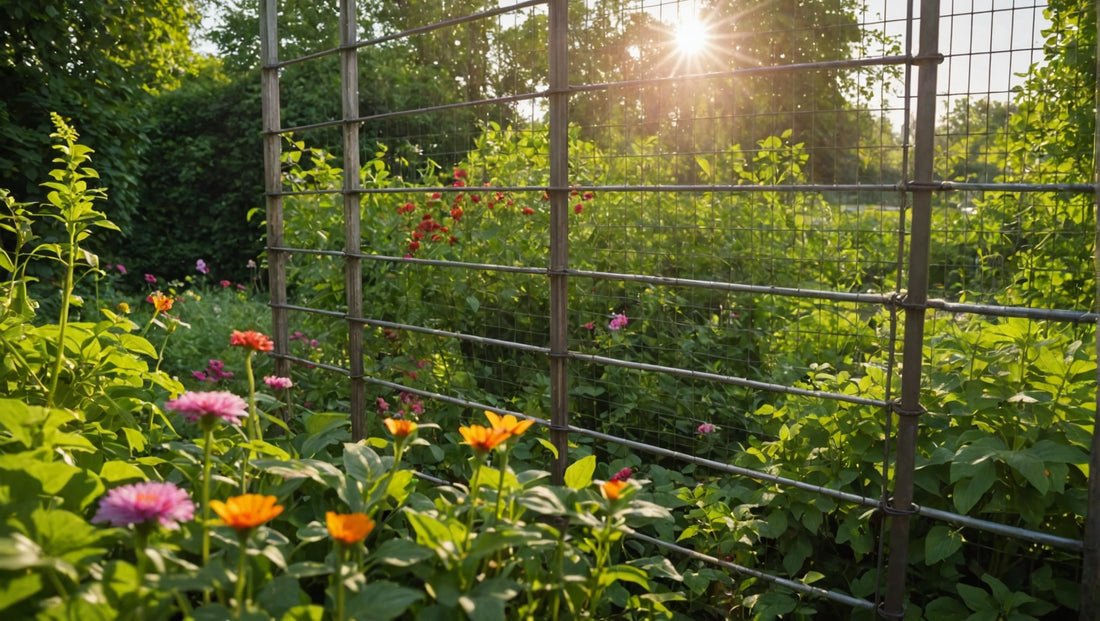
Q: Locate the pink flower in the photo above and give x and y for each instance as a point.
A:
(200, 265)
(139, 503)
(121, 269)
(618, 321)
(149, 278)
(278, 383)
(587, 196)
(197, 406)
(314, 343)
(251, 264)
(240, 287)
(459, 173)
(706, 428)
(590, 326)
(225, 284)
(382, 405)
(622, 475)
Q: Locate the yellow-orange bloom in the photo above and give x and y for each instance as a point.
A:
(508, 423)
(482, 439)
(400, 427)
(348, 528)
(160, 302)
(251, 339)
(247, 510)
(613, 490)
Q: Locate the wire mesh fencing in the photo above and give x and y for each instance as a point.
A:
(831, 262)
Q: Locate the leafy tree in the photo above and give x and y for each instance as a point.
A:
(96, 62)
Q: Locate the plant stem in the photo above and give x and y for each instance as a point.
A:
(207, 450)
(140, 541)
(255, 432)
(500, 487)
(474, 485)
(242, 567)
(63, 317)
(340, 557)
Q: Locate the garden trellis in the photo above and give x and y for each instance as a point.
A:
(659, 247)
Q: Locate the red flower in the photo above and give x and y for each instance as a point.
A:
(435, 196)
(452, 240)
(587, 196)
(459, 173)
(578, 208)
(456, 213)
(476, 198)
(417, 235)
(437, 237)
(414, 246)
(251, 339)
(528, 211)
(426, 216)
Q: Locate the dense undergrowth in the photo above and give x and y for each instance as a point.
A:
(93, 405)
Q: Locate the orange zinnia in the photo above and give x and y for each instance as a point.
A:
(399, 428)
(160, 302)
(348, 528)
(251, 339)
(246, 511)
(613, 490)
(482, 439)
(508, 423)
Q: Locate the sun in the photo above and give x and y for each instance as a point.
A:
(691, 37)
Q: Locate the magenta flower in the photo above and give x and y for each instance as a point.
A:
(200, 265)
(618, 321)
(383, 405)
(205, 406)
(706, 428)
(149, 278)
(121, 269)
(225, 284)
(140, 503)
(622, 475)
(278, 383)
(589, 326)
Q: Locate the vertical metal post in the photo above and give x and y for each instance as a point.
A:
(273, 184)
(909, 408)
(559, 234)
(353, 275)
(1090, 561)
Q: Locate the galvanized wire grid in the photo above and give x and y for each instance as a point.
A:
(731, 257)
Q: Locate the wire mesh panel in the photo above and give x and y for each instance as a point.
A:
(819, 272)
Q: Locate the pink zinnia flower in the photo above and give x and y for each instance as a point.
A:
(706, 428)
(590, 326)
(225, 284)
(197, 406)
(278, 383)
(618, 321)
(121, 268)
(139, 503)
(149, 278)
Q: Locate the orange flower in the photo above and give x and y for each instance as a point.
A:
(246, 511)
(508, 423)
(161, 302)
(348, 528)
(482, 439)
(613, 490)
(399, 428)
(252, 340)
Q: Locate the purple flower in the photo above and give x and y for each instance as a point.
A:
(149, 278)
(201, 266)
(121, 268)
(618, 321)
(197, 406)
(314, 343)
(706, 428)
(383, 405)
(278, 383)
(144, 502)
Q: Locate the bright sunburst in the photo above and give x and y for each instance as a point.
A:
(691, 37)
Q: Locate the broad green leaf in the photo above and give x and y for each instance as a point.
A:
(968, 492)
(1030, 467)
(400, 553)
(116, 472)
(624, 573)
(940, 543)
(579, 474)
(382, 601)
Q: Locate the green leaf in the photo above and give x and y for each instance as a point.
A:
(546, 444)
(579, 474)
(116, 472)
(301, 613)
(624, 573)
(472, 302)
(976, 599)
(382, 601)
(1030, 467)
(940, 543)
(968, 492)
(401, 553)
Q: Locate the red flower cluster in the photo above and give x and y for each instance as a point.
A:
(407, 208)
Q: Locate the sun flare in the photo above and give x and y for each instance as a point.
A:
(691, 37)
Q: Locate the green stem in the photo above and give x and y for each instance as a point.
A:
(163, 346)
(207, 450)
(340, 558)
(500, 487)
(242, 567)
(63, 318)
(474, 485)
(255, 432)
(140, 541)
